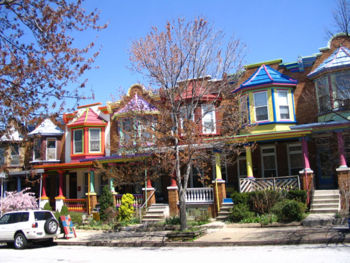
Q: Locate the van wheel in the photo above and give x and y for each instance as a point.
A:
(51, 226)
(20, 241)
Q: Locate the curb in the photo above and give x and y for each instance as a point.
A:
(327, 241)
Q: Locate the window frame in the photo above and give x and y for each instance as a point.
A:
(266, 105)
(47, 148)
(262, 148)
(100, 140)
(289, 152)
(213, 118)
(82, 141)
(285, 91)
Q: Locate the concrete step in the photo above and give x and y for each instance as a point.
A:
(326, 201)
(324, 211)
(323, 197)
(324, 206)
(326, 192)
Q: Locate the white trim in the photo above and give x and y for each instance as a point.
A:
(262, 148)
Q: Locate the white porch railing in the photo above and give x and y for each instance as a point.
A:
(271, 183)
(138, 199)
(203, 195)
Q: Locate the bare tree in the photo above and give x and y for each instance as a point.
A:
(39, 55)
(178, 60)
(341, 17)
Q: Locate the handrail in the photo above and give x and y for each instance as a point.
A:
(141, 207)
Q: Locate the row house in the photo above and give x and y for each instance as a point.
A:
(295, 133)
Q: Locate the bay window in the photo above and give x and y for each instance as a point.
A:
(261, 106)
(208, 119)
(341, 88)
(323, 94)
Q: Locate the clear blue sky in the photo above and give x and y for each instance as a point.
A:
(271, 29)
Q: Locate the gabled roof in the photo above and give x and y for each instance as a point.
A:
(47, 128)
(137, 104)
(88, 117)
(266, 75)
(339, 59)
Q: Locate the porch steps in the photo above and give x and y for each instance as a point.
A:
(325, 202)
(156, 213)
(224, 211)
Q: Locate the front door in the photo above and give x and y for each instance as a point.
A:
(326, 162)
(73, 185)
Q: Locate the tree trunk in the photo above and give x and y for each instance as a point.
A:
(182, 203)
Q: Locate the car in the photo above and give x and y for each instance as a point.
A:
(22, 227)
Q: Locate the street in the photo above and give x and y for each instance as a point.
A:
(301, 253)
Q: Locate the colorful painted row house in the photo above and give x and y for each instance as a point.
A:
(296, 133)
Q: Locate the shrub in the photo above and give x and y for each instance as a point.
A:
(77, 218)
(47, 206)
(106, 201)
(240, 198)
(64, 211)
(261, 202)
(240, 212)
(174, 220)
(126, 209)
(289, 210)
(297, 195)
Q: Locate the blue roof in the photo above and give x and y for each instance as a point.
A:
(339, 59)
(267, 75)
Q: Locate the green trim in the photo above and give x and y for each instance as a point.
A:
(269, 62)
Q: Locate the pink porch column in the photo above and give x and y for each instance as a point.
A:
(306, 174)
(43, 194)
(342, 160)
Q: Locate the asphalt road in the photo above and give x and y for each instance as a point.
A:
(280, 254)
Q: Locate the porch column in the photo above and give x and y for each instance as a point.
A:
(248, 153)
(342, 160)
(44, 198)
(306, 174)
(148, 191)
(60, 198)
(19, 187)
(343, 173)
(91, 195)
(220, 187)
(173, 197)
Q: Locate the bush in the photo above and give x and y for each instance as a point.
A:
(77, 218)
(126, 209)
(64, 211)
(240, 212)
(297, 195)
(174, 220)
(289, 210)
(106, 201)
(47, 206)
(240, 198)
(261, 202)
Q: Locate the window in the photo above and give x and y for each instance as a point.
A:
(208, 119)
(125, 130)
(185, 114)
(242, 166)
(15, 154)
(282, 100)
(244, 109)
(41, 216)
(77, 141)
(322, 88)
(51, 150)
(2, 155)
(341, 88)
(260, 106)
(295, 159)
(95, 140)
(132, 131)
(268, 155)
(37, 149)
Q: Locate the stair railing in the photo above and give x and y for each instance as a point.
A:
(144, 204)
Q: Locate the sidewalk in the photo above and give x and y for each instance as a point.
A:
(221, 235)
